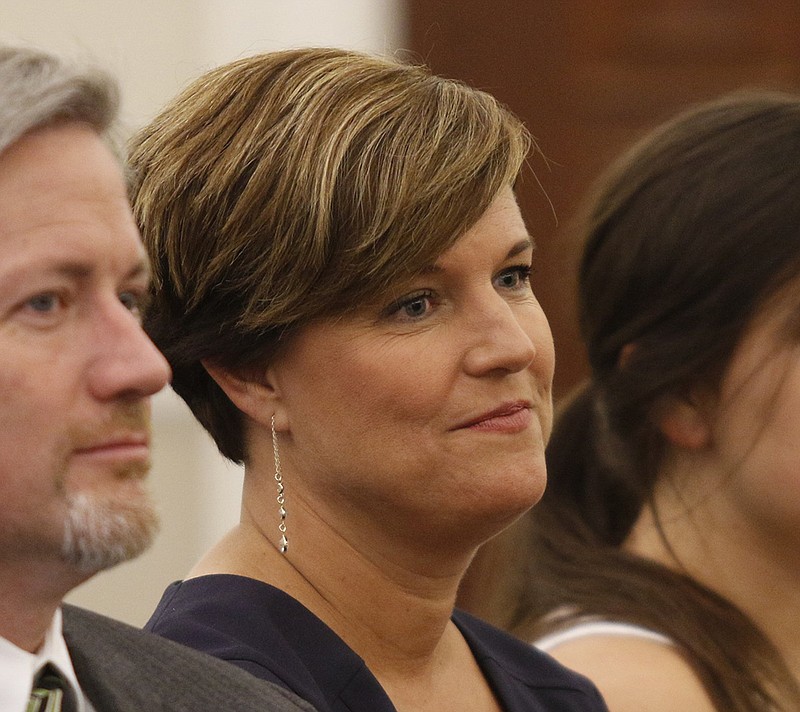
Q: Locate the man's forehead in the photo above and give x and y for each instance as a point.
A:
(64, 207)
(74, 250)
(70, 263)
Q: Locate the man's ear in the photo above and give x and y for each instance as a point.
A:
(685, 421)
(250, 390)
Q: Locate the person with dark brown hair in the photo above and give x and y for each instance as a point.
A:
(664, 558)
(341, 285)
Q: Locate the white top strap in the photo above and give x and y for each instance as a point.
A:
(585, 628)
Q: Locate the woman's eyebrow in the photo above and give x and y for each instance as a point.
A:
(521, 246)
(516, 249)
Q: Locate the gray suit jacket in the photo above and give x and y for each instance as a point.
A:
(124, 669)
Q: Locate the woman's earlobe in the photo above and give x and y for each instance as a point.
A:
(254, 396)
(684, 423)
(625, 354)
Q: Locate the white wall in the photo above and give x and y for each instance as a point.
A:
(154, 47)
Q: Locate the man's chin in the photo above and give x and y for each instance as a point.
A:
(103, 531)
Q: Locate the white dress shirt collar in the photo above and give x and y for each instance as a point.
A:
(18, 668)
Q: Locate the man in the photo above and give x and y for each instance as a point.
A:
(76, 373)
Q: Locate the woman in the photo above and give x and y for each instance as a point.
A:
(665, 562)
(342, 289)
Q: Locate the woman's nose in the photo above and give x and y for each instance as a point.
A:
(502, 338)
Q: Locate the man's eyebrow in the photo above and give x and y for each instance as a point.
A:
(516, 249)
(81, 270)
(141, 269)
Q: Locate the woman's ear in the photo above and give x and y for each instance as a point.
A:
(685, 421)
(250, 390)
(625, 354)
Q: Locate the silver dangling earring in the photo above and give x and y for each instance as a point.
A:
(284, 543)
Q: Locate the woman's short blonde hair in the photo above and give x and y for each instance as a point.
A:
(292, 186)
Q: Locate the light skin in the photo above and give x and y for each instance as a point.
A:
(409, 433)
(727, 499)
(76, 372)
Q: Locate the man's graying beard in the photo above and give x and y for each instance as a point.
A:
(105, 528)
(101, 532)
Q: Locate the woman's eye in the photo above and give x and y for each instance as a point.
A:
(416, 307)
(412, 307)
(514, 278)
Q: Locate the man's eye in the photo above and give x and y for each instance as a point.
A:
(131, 301)
(43, 303)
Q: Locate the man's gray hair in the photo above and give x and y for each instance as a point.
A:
(38, 89)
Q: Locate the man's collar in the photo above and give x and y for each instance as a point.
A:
(18, 667)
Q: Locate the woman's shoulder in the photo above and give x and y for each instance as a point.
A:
(634, 672)
(229, 617)
(508, 661)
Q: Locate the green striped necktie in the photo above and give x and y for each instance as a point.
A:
(52, 692)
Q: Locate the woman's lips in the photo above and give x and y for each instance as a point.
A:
(508, 418)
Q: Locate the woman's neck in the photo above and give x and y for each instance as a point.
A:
(705, 538)
(390, 604)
